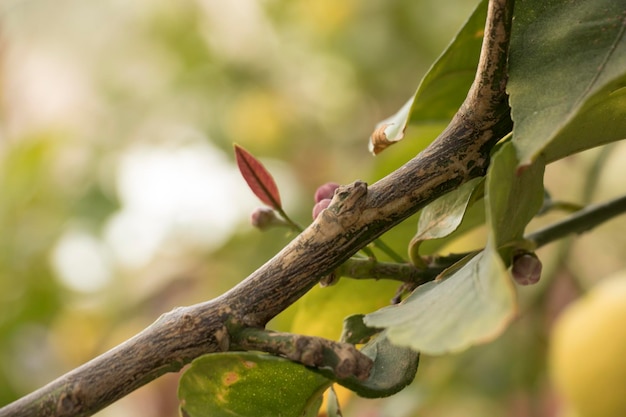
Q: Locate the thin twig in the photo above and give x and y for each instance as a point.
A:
(579, 222)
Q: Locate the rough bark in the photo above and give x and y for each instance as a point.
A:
(357, 215)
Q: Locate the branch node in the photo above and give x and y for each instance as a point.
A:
(346, 205)
(223, 338)
(343, 359)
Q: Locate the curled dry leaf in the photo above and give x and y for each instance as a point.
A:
(378, 140)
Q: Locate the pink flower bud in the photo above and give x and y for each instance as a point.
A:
(526, 269)
(325, 191)
(319, 206)
(264, 217)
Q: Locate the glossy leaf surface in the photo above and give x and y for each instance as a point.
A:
(249, 385)
(567, 76)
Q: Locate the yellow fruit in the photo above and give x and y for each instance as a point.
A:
(588, 351)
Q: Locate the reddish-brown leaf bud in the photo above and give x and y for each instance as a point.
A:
(325, 191)
(319, 206)
(526, 269)
(258, 178)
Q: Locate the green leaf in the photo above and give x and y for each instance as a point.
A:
(444, 215)
(355, 331)
(441, 91)
(249, 385)
(321, 311)
(474, 300)
(512, 198)
(467, 306)
(474, 216)
(333, 409)
(394, 368)
(567, 76)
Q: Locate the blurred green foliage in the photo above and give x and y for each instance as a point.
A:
(303, 82)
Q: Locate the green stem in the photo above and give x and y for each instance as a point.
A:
(294, 226)
(359, 268)
(579, 222)
(593, 176)
(368, 252)
(378, 243)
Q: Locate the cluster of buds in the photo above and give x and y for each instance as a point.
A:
(264, 218)
(323, 196)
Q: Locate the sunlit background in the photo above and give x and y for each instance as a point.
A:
(119, 197)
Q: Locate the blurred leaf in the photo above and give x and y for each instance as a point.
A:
(567, 76)
(444, 215)
(249, 385)
(394, 368)
(333, 409)
(321, 311)
(442, 89)
(258, 178)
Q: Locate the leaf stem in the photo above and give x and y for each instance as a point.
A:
(579, 222)
(295, 226)
(378, 243)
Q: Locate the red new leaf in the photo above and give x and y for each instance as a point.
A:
(258, 178)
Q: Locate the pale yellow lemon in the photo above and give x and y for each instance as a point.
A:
(588, 351)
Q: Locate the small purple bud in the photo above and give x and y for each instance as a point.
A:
(325, 191)
(319, 206)
(526, 268)
(264, 217)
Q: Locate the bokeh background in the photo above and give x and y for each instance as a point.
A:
(119, 197)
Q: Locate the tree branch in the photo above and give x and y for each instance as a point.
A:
(356, 216)
(344, 359)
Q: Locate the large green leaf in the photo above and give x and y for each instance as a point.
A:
(466, 306)
(321, 311)
(474, 300)
(441, 91)
(567, 76)
(249, 385)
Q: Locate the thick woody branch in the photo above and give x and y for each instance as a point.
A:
(356, 216)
